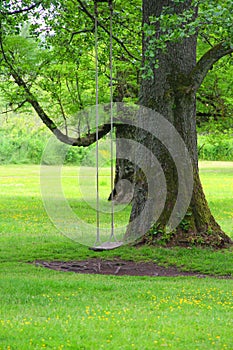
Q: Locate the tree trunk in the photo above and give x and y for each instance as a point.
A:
(124, 171)
(167, 93)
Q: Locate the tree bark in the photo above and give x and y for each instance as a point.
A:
(125, 170)
(170, 92)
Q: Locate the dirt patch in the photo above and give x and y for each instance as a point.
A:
(118, 267)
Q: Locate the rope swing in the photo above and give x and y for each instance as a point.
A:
(112, 243)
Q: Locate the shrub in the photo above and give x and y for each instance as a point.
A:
(215, 147)
(25, 145)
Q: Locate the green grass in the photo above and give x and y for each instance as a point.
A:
(44, 309)
(217, 179)
(47, 309)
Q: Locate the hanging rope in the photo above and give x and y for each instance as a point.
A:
(110, 244)
(97, 124)
(111, 116)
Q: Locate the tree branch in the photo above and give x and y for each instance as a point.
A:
(81, 141)
(14, 109)
(84, 9)
(80, 32)
(21, 10)
(206, 62)
(84, 141)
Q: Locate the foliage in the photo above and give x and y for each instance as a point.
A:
(209, 20)
(23, 142)
(54, 55)
(215, 147)
(214, 97)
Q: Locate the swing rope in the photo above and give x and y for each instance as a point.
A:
(111, 117)
(112, 236)
(97, 124)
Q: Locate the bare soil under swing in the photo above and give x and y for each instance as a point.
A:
(119, 267)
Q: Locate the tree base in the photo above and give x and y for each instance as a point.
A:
(180, 238)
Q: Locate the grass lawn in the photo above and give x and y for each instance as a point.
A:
(44, 309)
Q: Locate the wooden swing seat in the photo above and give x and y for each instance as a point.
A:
(107, 246)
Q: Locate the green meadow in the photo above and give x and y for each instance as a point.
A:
(45, 309)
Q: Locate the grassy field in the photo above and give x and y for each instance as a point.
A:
(44, 309)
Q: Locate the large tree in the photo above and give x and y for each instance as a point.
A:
(170, 78)
(170, 88)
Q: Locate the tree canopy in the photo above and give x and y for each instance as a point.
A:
(47, 48)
